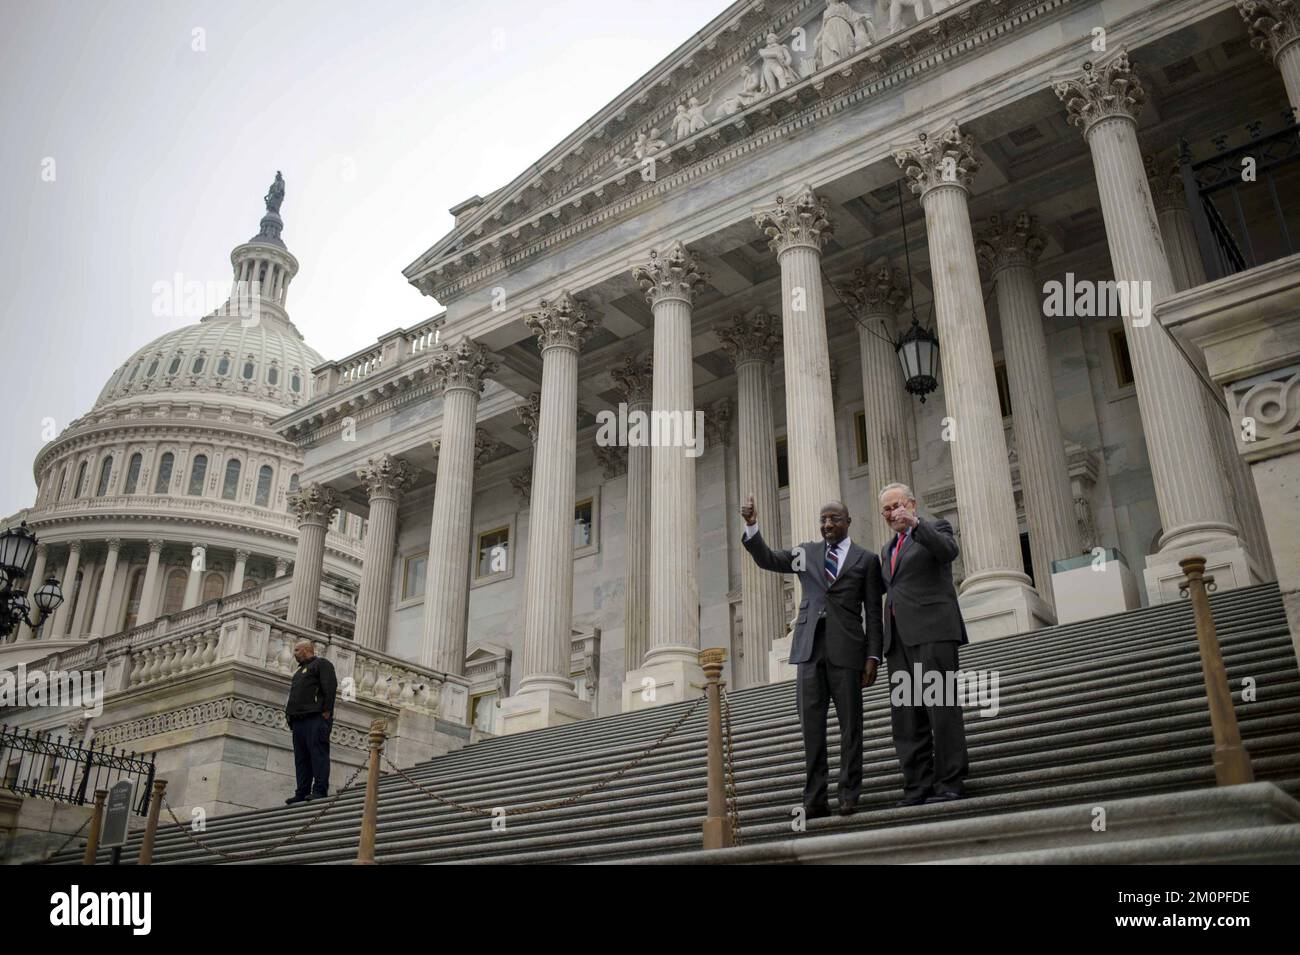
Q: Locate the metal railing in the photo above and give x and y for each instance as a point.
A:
(1224, 178)
(64, 771)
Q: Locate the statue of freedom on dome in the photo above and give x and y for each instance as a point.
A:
(276, 195)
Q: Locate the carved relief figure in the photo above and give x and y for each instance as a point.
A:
(645, 145)
(696, 111)
(916, 6)
(778, 65)
(681, 123)
(844, 32)
(750, 93)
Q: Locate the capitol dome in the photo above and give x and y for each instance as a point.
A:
(175, 489)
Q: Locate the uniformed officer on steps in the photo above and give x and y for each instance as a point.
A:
(310, 712)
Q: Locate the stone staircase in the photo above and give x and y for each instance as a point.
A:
(1093, 713)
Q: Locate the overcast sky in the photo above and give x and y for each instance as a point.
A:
(382, 115)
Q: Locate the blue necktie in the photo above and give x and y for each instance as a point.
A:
(832, 565)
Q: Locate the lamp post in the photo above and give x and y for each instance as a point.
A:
(918, 351)
(17, 551)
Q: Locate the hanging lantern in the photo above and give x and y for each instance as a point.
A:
(49, 597)
(918, 352)
(17, 548)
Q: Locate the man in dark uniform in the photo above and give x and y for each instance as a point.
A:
(310, 713)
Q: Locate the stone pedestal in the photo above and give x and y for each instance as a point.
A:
(539, 708)
(779, 667)
(1088, 587)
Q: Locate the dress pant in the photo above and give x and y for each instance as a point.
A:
(930, 740)
(311, 753)
(818, 682)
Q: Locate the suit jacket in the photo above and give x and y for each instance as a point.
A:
(920, 591)
(857, 586)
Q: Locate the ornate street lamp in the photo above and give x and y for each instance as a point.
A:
(17, 551)
(918, 351)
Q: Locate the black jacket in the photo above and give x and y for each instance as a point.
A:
(920, 591)
(312, 688)
(857, 588)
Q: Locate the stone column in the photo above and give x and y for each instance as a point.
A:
(1008, 249)
(1104, 100)
(672, 662)
(460, 371)
(545, 696)
(1187, 270)
(36, 580)
(314, 505)
(100, 618)
(1275, 31)
(236, 583)
(149, 590)
(634, 379)
(194, 584)
(752, 342)
(996, 596)
(876, 293)
(62, 617)
(797, 229)
(384, 479)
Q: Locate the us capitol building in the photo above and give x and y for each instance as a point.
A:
(758, 230)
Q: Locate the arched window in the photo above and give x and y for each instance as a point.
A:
(164, 481)
(134, 371)
(133, 594)
(197, 367)
(81, 480)
(230, 487)
(250, 370)
(132, 474)
(153, 369)
(214, 585)
(223, 366)
(174, 595)
(295, 383)
(105, 472)
(273, 375)
(293, 486)
(175, 365)
(198, 471)
(264, 475)
(63, 484)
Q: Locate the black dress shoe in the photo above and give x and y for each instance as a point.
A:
(848, 808)
(817, 812)
(948, 796)
(913, 800)
(295, 798)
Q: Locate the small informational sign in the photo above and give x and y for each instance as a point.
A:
(121, 797)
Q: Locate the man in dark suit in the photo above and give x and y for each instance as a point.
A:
(923, 629)
(836, 656)
(310, 714)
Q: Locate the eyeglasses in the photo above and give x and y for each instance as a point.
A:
(890, 508)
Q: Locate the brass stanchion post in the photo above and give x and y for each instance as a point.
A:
(370, 815)
(1231, 760)
(96, 820)
(151, 823)
(717, 827)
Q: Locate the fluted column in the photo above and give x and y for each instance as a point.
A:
(33, 582)
(751, 342)
(797, 229)
(314, 505)
(876, 293)
(1275, 31)
(236, 583)
(634, 378)
(1187, 270)
(1008, 249)
(100, 618)
(194, 583)
(998, 597)
(384, 479)
(62, 617)
(149, 590)
(546, 696)
(672, 661)
(1104, 100)
(460, 371)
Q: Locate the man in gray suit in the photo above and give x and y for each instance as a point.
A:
(836, 656)
(923, 628)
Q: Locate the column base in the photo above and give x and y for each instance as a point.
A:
(1008, 608)
(539, 709)
(779, 667)
(668, 680)
(1086, 587)
(1226, 560)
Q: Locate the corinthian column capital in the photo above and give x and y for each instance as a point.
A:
(634, 378)
(1273, 24)
(467, 364)
(385, 476)
(946, 158)
(1166, 181)
(1009, 240)
(530, 411)
(1106, 90)
(562, 323)
(156, 545)
(314, 504)
(484, 447)
(755, 337)
(675, 275)
(879, 290)
(798, 222)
